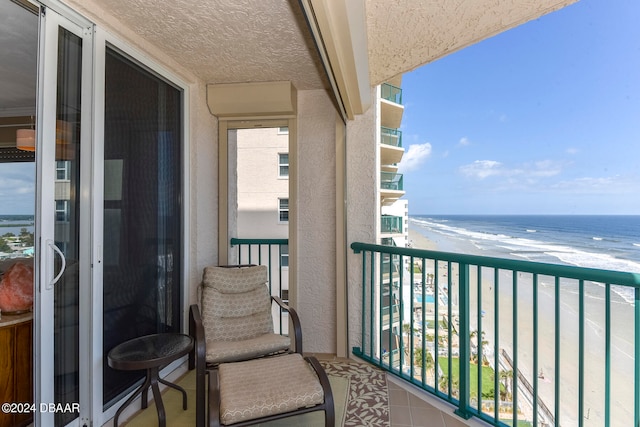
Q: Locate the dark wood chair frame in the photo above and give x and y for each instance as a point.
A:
(326, 406)
(197, 357)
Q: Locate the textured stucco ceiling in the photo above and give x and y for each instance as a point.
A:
(229, 41)
(405, 34)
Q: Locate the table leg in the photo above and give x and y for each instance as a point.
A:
(157, 397)
(180, 389)
(144, 400)
(143, 389)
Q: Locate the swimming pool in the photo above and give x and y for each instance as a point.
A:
(428, 299)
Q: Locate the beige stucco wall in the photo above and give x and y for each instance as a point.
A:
(316, 207)
(362, 207)
(203, 190)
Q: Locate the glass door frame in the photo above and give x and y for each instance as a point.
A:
(51, 20)
(95, 42)
(104, 40)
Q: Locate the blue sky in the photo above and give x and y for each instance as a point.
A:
(541, 119)
(17, 188)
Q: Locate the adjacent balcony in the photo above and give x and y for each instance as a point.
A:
(509, 342)
(391, 150)
(390, 224)
(391, 108)
(391, 93)
(391, 187)
(391, 181)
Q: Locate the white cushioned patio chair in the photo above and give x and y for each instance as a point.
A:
(234, 323)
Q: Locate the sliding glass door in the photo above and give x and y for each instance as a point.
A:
(142, 210)
(109, 191)
(62, 260)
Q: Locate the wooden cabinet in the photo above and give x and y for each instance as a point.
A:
(16, 373)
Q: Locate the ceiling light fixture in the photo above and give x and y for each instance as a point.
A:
(26, 138)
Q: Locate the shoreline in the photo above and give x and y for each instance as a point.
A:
(418, 240)
(593, 327)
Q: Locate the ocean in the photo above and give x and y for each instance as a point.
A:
(608, 242)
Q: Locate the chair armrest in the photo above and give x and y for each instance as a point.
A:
(197, 360)
(214, 399)
(196, 330)
(297, 327)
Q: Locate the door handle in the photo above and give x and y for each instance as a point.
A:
(57, 250)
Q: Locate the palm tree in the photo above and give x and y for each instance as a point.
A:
(485, 344)
(27, 238)
(4, 246)
(473, 358)
(443, 385)
(419, 354)
(408, 330)
(507, 377)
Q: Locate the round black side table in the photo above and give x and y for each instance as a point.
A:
(149, 353)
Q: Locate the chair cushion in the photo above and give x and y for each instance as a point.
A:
(230, 351)
(234, 317)
(236, 303)
(235, 280)
(263, 387)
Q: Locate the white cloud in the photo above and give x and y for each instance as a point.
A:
(544, 168)
(481, 169)
(16, 184)
(572, 150)
(617, 184)
(414, 156)
(464, 141)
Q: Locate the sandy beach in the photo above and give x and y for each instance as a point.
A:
(419, 241)
(622, 381)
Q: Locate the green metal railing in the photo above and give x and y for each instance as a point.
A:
(274, 253)
(391, 181)
(510, 342)
(391, 93)
(391, 224)
(390, 136)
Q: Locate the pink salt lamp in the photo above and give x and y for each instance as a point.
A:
(16, 289)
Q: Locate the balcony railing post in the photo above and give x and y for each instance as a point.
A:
(636, 411)
(607, 363)
(436, 321)
(581, 357)
(464, 333)
(364, 305)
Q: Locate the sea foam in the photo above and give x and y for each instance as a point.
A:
(533, 249)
